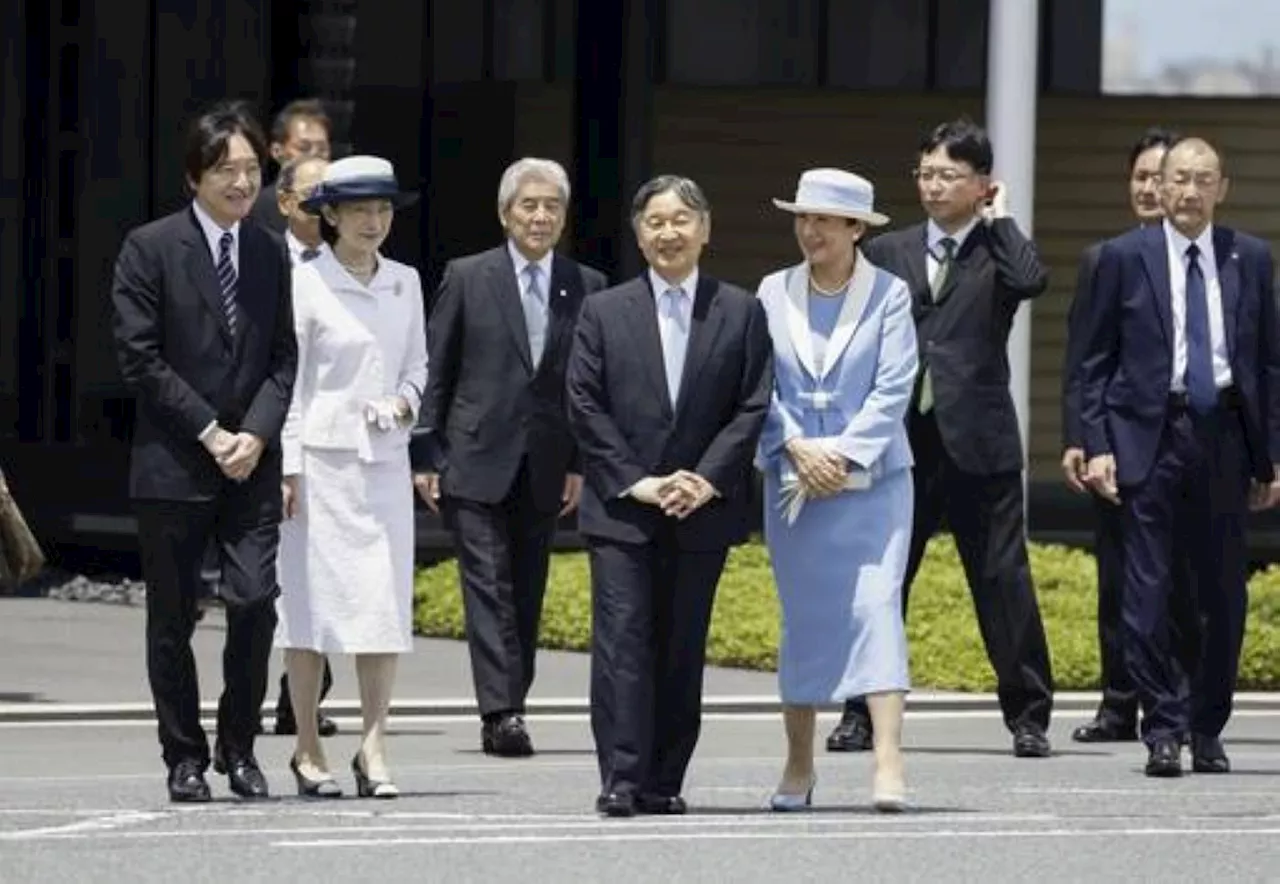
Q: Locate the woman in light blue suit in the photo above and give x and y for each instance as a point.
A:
(837, 471)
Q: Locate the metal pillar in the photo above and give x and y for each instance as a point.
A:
(1013, 78)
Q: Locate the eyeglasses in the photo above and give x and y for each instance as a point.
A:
(946, 176)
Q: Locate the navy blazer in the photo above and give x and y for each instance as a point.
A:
(1128, 348)
(626, 428)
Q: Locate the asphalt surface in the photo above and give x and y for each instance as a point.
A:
(86, 803)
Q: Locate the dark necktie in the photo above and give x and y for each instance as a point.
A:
(1202, 392)
(227, 280)
(924, 402)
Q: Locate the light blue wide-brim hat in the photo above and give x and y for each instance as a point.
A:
(358, 178)
(835, 192)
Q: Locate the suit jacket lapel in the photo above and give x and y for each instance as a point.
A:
(965, 260)
(916, 270)
(255, 305)
(855, 303)
(797, 313)
(703, 328)
(200, 270)
(1228, 259)
(560, 312)
(1155, 258)
(642, 320)
(506, 294)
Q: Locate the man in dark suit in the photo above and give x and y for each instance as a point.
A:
(495, 451)
(1180, 410)
(204, 334)
(301, 129)
(669, 384)
(1117, 717)
(969, 269)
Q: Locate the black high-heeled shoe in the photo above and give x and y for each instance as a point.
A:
(308, 788)
(367, 788)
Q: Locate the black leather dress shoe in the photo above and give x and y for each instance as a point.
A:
(1098, 731)
(1208, 756)
(244, 777)
(1029, 741)
(616, 804)
(852, 734)
(187, 783)
(506, 737)
(1164, 759)
(661, 805)
(286, 726)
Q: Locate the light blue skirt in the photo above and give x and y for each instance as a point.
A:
(839, 571)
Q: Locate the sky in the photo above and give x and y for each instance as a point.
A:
(1175, 30)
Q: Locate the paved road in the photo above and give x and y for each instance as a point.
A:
(85, 803)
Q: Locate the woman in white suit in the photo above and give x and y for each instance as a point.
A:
(837, 473)
(346, 549)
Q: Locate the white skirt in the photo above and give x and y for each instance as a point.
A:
(346, 559)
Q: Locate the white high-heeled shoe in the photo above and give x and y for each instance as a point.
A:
(789, 801)
(888, 798)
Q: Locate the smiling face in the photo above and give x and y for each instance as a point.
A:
(671, 235)
(226, 190)
(362, 225)
(827, 241)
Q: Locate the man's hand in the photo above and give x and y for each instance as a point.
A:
(218, 443)
(240, 460)
(649, 490)
(685, 492)
(1074, 469)
(821, 471)
(428, 487)
(1265, 495)
(1101, 477)
(995, 203)
(572, 493)
(289, 491)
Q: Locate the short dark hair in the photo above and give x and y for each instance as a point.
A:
(210, 132)
(685, 188)
(1156, 136)
(311, 108)
(965, 141)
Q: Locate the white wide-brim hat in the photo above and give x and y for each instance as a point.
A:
(835, 192)
(358, 178)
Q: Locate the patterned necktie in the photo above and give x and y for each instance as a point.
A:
(925, 401)
(675, 342)
(1202, 392)
(227, 280)
(535, 312)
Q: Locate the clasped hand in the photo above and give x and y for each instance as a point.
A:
(236, 454)
(822, 472)
(678, 494)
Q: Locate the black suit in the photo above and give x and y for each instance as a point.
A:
(178, 355)
(968, 447)
(1119, 707)
(266, 210)
(653, 577)
(494, 427)
(1183, 476)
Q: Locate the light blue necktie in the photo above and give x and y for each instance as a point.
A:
(676, 340)
(535, 312)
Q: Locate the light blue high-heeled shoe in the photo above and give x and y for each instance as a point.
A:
(784, 802)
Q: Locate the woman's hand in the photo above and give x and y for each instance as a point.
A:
(289, 491)
(822, 471)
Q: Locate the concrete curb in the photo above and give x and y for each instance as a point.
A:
(1067, 702)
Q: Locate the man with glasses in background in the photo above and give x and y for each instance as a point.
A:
(969, 268)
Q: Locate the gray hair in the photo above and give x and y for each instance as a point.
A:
(289, 173)
(685, 189)
(531, 169)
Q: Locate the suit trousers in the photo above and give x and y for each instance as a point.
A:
(986, 516)
(1190, 511)
(651, 610)
(504, 550)
(244, 521)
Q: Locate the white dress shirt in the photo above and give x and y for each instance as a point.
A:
(934, 235)
(527, 302)
(1176, 248)
(213, 233)
(297, 247)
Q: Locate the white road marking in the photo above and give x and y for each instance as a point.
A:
(97, 825)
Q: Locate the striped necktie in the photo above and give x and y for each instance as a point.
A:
(227, 280)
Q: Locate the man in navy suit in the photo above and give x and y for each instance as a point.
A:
(668, 387)
(1180, 410)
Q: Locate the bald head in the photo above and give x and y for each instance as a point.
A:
(1192, 185)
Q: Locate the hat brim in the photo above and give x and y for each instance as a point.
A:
(399, 199)
(875, 219)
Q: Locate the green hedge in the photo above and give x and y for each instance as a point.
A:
(946, 650)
